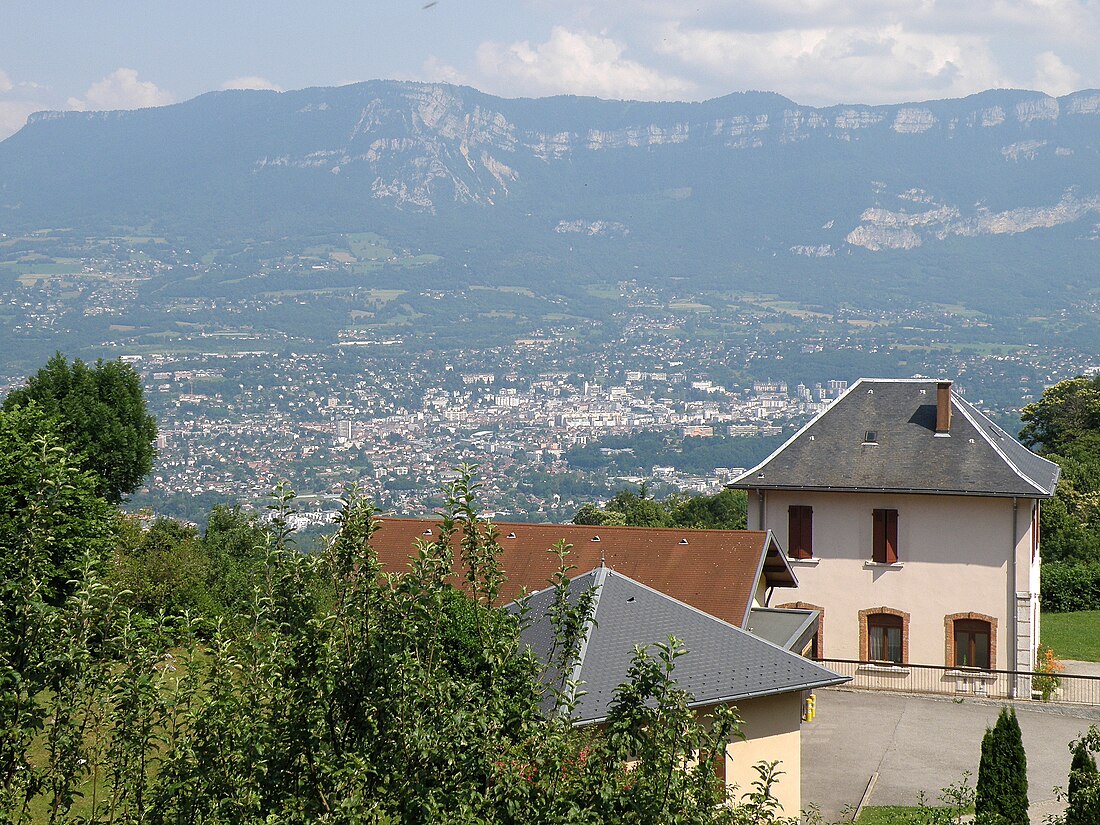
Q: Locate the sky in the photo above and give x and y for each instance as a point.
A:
(124, 54)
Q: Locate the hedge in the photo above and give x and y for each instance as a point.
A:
(1068, 587)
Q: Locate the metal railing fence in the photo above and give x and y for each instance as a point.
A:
(955, 681)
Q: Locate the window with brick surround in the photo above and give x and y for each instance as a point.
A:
(800, 531)
(884, 536)
(971, 640)
(884, 635)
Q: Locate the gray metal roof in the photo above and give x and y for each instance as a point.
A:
(723, 663)
(790, 628)
(833, 452)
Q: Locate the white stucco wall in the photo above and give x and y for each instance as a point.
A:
(953, 557)
(773, 731)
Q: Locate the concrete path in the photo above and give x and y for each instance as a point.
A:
(924, 744)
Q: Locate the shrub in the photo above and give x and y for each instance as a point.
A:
(1084, 804)
(1001, 795)
(1067, 588)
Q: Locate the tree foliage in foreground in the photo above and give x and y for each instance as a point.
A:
(102, 417)
(345, 696)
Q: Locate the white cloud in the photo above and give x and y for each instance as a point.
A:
(830, 51)
(436, 71)
(1053, 76)
(573, 62)
(831, 65)
(121, 89)
(16, 103)
(251, 82)
(13, 115)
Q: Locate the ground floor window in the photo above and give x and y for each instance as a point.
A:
(884, 638)
(884, 635)
(970, 640)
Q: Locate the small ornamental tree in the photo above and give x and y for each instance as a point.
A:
(1084, 782)
(1001, 795)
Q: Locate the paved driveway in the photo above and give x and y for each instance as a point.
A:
(923, 744)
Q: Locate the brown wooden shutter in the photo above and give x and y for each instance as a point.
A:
(878, 536)
(800, 531)
(891, 536)
(884, 536)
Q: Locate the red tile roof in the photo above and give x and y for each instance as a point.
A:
(713, 570)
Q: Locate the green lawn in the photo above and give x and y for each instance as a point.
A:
(1072, 635)
(888, 815)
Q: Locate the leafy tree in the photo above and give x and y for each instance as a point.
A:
(235, 548)
(165, 571)
(1066, 412)
(726, 510)
(1064, 426)
(102, 416)
(722, 511)
(1001, 793)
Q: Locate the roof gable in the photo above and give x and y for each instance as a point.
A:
(714, 570)
(722, 663)
(881, 436)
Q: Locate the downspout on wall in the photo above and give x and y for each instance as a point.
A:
(1014, 612)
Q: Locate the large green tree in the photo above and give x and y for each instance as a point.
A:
(1066, 415)
(356, 697)
(1064, 426)
(102, 415)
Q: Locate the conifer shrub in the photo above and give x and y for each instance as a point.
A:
(1001, 794)
(1084, 786)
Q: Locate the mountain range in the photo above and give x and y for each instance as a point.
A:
(751, 185)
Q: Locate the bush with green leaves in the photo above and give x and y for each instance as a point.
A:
(1069, 587)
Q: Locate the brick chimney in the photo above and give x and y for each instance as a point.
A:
(943, 408)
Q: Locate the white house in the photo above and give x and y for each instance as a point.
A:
(912, 521)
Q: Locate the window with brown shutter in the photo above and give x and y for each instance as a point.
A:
(800, 531)
(885, 536)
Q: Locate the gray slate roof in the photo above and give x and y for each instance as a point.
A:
(790, 628)
(723, 663)
(831, 453)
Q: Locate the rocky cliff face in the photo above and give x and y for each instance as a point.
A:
(874, 178)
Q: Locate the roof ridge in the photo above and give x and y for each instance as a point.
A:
(583, 526)
(599, 578)
(966, 408)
